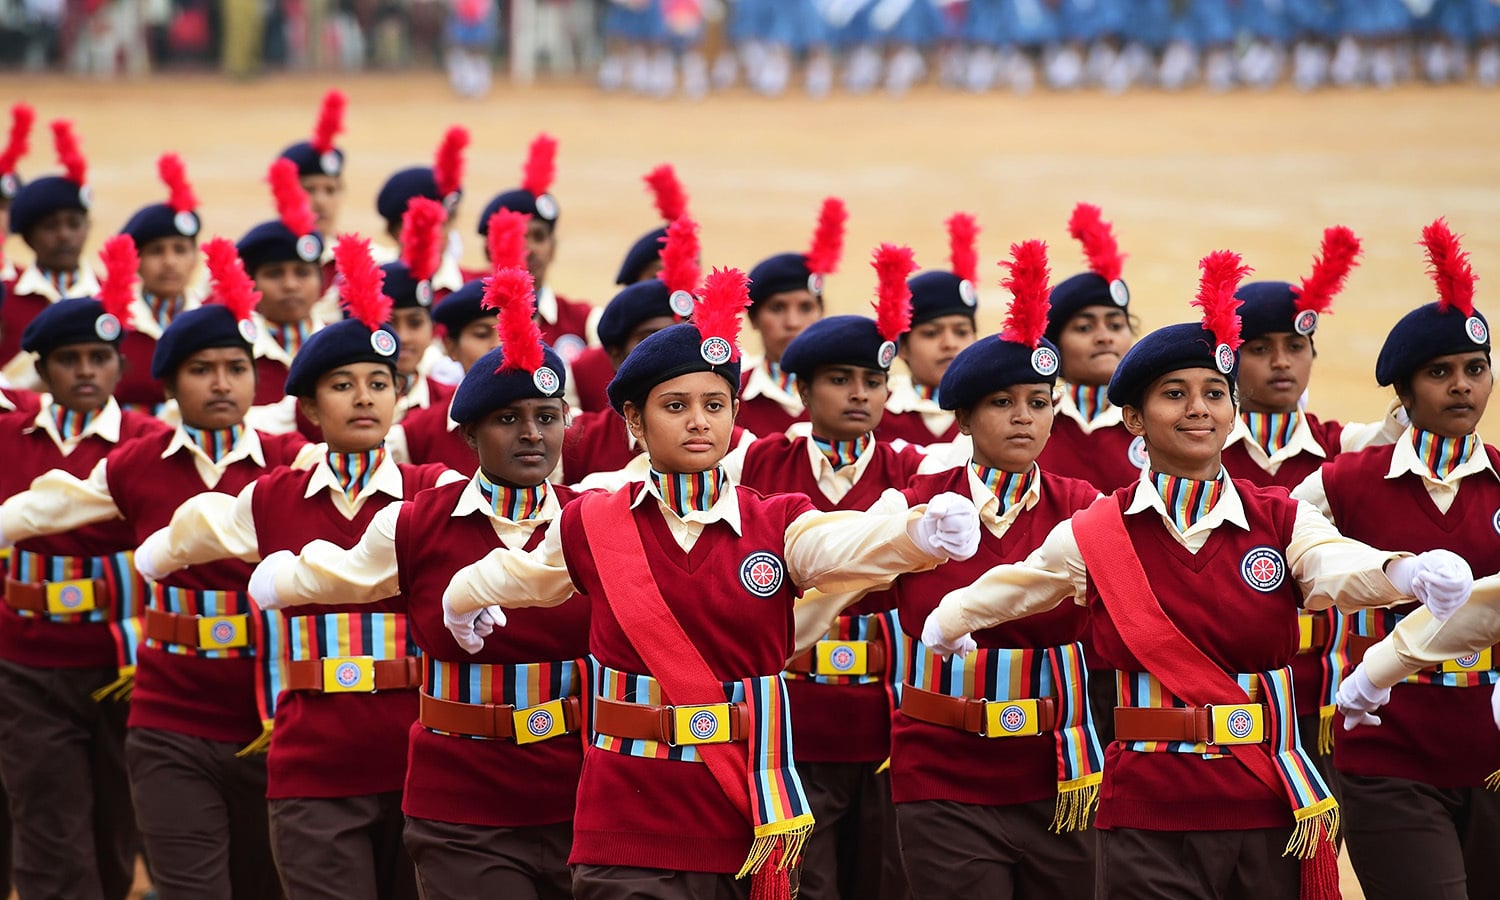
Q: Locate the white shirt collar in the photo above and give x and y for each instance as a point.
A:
(761, 384)
(144, 320)
(904, 399)
(546, 304)
(448, 277)
(471, 500)
(823, 469)
(725, 509)
(268, 347)
(988, 504)
(1229, 509)
(1405, 459)
(386, 479)
(248, 447)
(1066, 406)
(32, 281)
(7, 270)
(1302, 441)
(105, 425)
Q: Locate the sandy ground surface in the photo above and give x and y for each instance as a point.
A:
(1179, 176)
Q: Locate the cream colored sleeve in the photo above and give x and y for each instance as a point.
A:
(57, 502)
(212, 526)
(324, 572)
(1312, 493)
(1050, 575)
(840, 552)
(1334, 570)
(817, 608)
(513, 580)
(395, 444)
(1420, 641)
(1359, 435)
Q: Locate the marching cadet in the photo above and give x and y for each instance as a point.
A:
(1416, 787)
(943, 305)
(995, 766)
(200, 802)
(691, 763)
(61, 752)
(493, 774)
(411, 283)
(320, 168)
(786, 296)
(17, 143)
(348, 692)
(1205, 779)
(443, 183)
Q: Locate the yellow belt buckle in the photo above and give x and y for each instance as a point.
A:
(1482, 661)
(69, 597)
(1304, 632)
(693, 725)
(1243, 723)
(4, 557)
(349, 674)
(1011, 718)
(224, 633)
(842, 657)
(539, 723)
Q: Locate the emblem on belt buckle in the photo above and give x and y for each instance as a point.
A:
(694, 725)
(221, 632)
(1012, 718)
(842, 657)
(1243, 724)
(70, 597)
(349, 674)
(538, 723)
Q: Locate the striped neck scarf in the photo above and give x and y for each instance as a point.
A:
(1008, 487)
(289, 337)
(1091, 399)
(353, 470)
(216, 444)
(784, 379)
(62, 282)
(70, 424)
(1440, 454)
(843, 453)
(684, 493)
(1187, 499)
(925, 392)
(514, 503)
(163, 309)
(1272, 431)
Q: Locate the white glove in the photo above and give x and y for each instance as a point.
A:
(1359, 698)
(470, 628)
(1495, 704)
(484, 626)
(263, 579)
(3, 542)
(949, 528)
(932, 636)
(1441, 579)
(148, 557)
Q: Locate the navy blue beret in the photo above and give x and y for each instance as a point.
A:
(205, 328)
(484, 390)
(645, 251)
(405, 291)
(1078, 292)
(990, 364)
(160, 221)
(667, 354)
(782, 273)
(1426, 333)
(938, 293)
(1185, 346)
(310, 162)
(1270, 307)
(400, 188)
(838, 341)
(520, 201)
(42, 197)
(343, 343)
(273, 242)
(79, 320)
(455, 311)
(644, 300)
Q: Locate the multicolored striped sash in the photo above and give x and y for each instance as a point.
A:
(126, 588)
(522, 686)
(1475, 670)
(376, 635)
(884, 628)
(235, 608)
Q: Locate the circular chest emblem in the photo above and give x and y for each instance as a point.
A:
(70, 597)
(539, 723)
(1044, 361)
(842, 658)
(815, 284)
(383, 342)
(1136, 452)
(330, 163)
(309, 248)
(222, 632)
(9, 185)
(1224, 358)
(681, 304)
(716, 351)
(1478, 332)
(1263, 569)
(1306, 322)
(186, 223)
(107, 327)
(703, 724)
(968, 293)
(424, 292)
(546, 380)
(1240, 724)
(886, 354)
(1119, 293)
(247, 330)
(346, 674)
(85, 196)
(762, 573)
(1012, 719)
(568, 347)
(546, 207)
(1495, 521)
(1468, 662)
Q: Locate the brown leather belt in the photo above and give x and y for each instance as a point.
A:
(671, 725)
(199, 632)
(388, 675)
(496, 720)
(1193, 725)
(1318, 634)
(31, 596)
(806, 662)
(986, 718)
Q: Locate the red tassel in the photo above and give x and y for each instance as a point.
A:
(963, 232)
(680, 269)
(671, 200)
(1448, 264)
(773, 881)
(68, 152)
(362, 280)
(173, 174)
(828, 239)
(512, 294)
(726, 294)
(1320, 875)
(121, 264)
(541, 166)
(330, 121)
(232, 286)
(1340, 254)
(292, 205)
(448, 167)
(893, 265)
(422, 237)
(1223, 270)
(21, 118)
(1087, 226)
(506, 239)
(1026, 320)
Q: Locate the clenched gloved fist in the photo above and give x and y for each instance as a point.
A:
(1440, 579)
(470, 628)
(932, 636)
(949, 527)
(1359, 698)
(263, 579)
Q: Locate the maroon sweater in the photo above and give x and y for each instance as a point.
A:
(15, 314)
(834, 722)
(333, 745)
(911, 427)
(38, 641)
(664, 814)
(1429, 733)
(572, 318)
(592, 372)
(270, 381)
(1103, 458)
(428, 439)
(497, 784)
(137, 388)
(933, 762)
(762, 416)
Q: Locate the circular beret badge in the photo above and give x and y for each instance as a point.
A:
(815, 283)
(1136, 452)
(9, 185)
(222, 633)
(1478, 332)
(546, 380)
(424, 292)
(1240, 724)
(346, 674)
(1263, 569)
(1012, 718)
(1119, 293)
(330, 162)
(681, 304)
(1224, 358)
(761, 573)
(85, 196)
(1306, 322)
(716, 351)
(886, 355)
(968, 293)
(546, 207)
(186, 223)
(539, 723)
(108, 327)
(703, 724)
(309, 248)
(1044, 361)
(247, 330)
(383, 342)
(568, 347)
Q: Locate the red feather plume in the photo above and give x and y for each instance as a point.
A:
(671, 200)
(422, 236)
(68, 152)
(1340, 254)
(506, 238)
(173, 174)
(828, 239)
(512, 294)
(1087, 226)
(117, 288)
(1223, 270)
(963, 232)
(21, 117)
(893, 265)
(680, 269)
(330, 120)
(1448, 264)
(1026, 320)
(292, 205)
(726, 294)
(448, 167)
(541, 165)
(232, 286)
(362, 281)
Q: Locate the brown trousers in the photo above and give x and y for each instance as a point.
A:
(337, 848)
(457, 862)
(626, 883)
(954, 850)
(202, 814)
(853, 852)
(1413, 841)
(1196, 865)
(62, 758)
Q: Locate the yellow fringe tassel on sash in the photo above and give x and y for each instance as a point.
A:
(1075, 803)
(1493, 782)
(119, 689)
(794, 832)
(1317, 822)
(1325, 729)
(262, 743)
